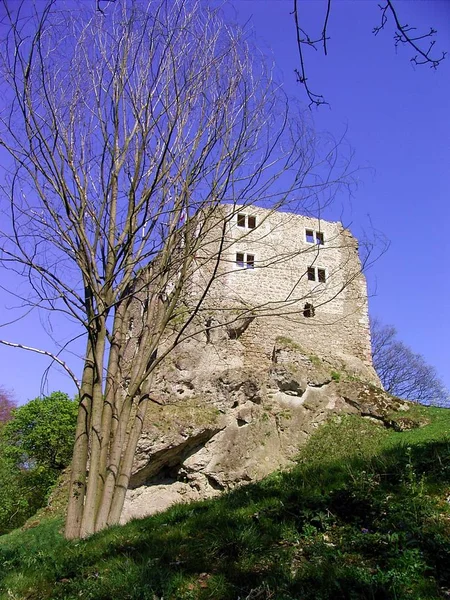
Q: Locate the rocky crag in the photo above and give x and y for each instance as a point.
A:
(219, 418)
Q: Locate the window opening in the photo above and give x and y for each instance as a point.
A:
(240, 260)
(310, 236)
(241, 220)
(244, 220)
(315, 274)
(309, 310)
(314, 237)
(245, 260)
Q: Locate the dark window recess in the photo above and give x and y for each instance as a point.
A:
(310, 236)
(250, 261)
(240, 260)
(319, 238)
(321, 275)
(251, 222)
(309, 310)
(311, 274)
(241, 220)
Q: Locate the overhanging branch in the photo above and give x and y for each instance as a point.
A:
(45, 353)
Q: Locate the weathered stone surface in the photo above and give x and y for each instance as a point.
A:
(219, 421)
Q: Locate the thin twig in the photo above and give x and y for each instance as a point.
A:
(315, 99)
(403, 36)
(46, 353)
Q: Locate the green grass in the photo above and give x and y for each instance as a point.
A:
(335, 376)
(363, 516)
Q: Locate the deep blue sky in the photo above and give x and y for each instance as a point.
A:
(398, 124)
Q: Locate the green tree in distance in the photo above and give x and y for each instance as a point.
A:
(41, 432)
(35, 446)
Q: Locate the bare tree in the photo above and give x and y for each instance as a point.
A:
(422, 43)
(402, 372)
(7, 404)
(129, 129)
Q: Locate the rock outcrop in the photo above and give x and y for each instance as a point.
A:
(217, 421)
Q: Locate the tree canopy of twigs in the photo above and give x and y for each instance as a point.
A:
(402, 372)
(124, 125)
(421, 43)
(7, 404)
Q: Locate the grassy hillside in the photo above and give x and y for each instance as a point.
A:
(363, 515)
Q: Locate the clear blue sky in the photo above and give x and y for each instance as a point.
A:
(398, 124)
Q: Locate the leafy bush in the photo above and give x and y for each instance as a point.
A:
(35, 446)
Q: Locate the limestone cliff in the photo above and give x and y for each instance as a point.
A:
(219, 417)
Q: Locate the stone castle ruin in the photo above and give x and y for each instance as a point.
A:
(284, 344)
(292, 276)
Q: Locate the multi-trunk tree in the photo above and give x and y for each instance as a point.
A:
(127, 129)
(403, 372)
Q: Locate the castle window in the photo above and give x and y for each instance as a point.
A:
(245, 260)
(244, 220)
(315, 274)
(310, 236)
(314, 237)
(241, 220)
(309, 310)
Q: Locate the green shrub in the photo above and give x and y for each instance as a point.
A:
(35, 446)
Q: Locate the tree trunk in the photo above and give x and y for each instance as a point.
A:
(111, 404)
(113, 464)
(80, 452)
(126, 463)
(90, 504)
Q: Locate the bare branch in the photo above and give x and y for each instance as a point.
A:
(403, 372)
(45, 353)
(404, 35)
(304, 39)
(138, 133)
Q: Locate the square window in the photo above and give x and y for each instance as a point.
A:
(319, 238)
(311, 274)
(250, 261)
(310, 236)
(251, 222)
(240, 260)
(321, 275)
(309, 310)
(241, 220)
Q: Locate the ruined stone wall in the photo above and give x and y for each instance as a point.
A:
(265, 269)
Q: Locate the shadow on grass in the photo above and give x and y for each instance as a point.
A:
(375, 528)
